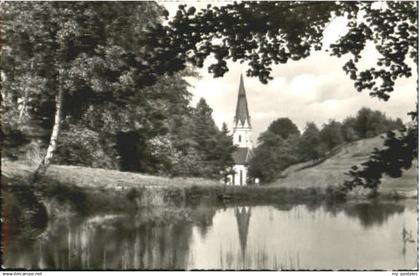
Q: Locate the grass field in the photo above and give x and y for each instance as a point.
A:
(86, 190)
(98, 178)
(331, 171)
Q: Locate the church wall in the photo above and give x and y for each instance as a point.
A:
(236, 179)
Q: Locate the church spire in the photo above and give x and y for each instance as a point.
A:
(242, 113)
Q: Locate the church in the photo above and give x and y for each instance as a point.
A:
(242, 139)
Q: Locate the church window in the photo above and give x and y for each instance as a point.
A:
(240, 177)
(239, 138)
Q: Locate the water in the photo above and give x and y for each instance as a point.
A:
(355, 235)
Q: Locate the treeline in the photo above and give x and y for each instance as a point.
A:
(282, 144)
(91, 62)
(163, 137)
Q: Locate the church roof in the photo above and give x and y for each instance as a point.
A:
(242, 113)
(241, 156)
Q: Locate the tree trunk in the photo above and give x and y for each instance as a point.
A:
(40, 171)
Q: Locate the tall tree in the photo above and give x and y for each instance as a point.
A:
(348, 129)
(283, 127)
(224, 150)
(277, 149)
(267, 33)
(136, 130)
(370, 123)
(62, 50)
(311, 146)
(215, 147)
(331, 134)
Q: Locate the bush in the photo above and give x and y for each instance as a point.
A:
(82, 147)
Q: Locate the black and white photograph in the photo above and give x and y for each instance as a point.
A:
(209, 136)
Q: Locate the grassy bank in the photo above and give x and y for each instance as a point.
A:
(98, 178)
(84, 190)
(331, 172)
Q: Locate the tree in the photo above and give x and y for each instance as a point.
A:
(311, 146)
(348, 129)
(331, 134)
(284, 127)
(370, 123)
(65, 50)
(214, 147)
(224, 150)
(277, 150)
(267, 33)
(82, 146)
(147, 119)
(396, 155)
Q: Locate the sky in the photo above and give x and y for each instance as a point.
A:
(314, 89)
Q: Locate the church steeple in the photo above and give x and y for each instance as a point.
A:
(242, 113)
(241, 138)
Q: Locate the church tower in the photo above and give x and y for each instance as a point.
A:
(241, 138)
(242, 120)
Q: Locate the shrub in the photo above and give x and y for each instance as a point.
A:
(82, 147)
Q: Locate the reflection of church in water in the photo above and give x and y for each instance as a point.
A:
(243, 216)
(242, 139)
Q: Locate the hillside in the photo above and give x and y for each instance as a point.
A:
(331, 171)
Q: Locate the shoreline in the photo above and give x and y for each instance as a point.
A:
(26, 206)
(87, 189)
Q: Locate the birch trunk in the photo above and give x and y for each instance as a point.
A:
(40, 171)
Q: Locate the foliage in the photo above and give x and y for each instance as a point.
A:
(146, 121)
(267, 33)
(370, 123)
(116, 112)
(393, 30)
(284, 127)
(398, 154)
(225, 149)
(17, 128)
(261, 33)
(92, 45)
(331, 134)
(86, 51)
(348, 129)
(215, 147)
(81, 146)
(182, 141)
(311, 146)
(275, 152)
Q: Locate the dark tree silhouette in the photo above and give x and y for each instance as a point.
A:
(267, 33)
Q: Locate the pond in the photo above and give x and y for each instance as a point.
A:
(353, 235)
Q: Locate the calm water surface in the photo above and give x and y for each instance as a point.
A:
(356, 235)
